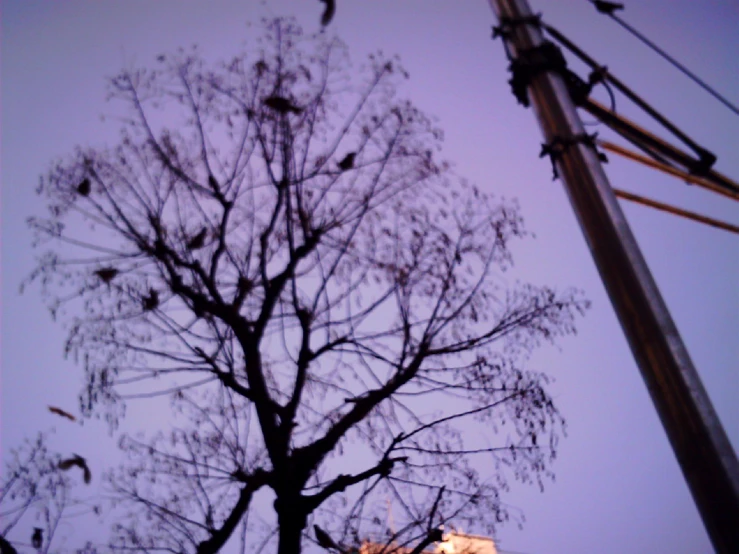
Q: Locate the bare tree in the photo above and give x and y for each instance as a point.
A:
(275, 247)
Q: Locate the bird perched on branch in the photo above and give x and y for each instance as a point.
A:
(436, 535)
(62, 413)
(152, 301)
(348, 161)
(84, 187)
(106, 274)
(386, 465)
(37, 539)
(281, 105)
(324, 540)
(328, 13)
(79, 462)
(198, 241)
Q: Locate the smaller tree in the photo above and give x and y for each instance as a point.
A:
(36, 498)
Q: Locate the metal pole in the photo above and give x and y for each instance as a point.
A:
(701, 446)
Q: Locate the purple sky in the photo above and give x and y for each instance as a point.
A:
(618, 484)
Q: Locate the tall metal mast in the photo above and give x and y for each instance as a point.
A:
(703, 451)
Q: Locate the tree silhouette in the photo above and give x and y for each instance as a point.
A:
(342, 336)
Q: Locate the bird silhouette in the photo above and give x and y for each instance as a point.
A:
(198, 240)
(348, 161)
(328, 12)
(106, 274)
(436, 535)
(37, 539)
(324, 540)
(213, 183)
(84, 187)
(386, 465)
(281, 105)
(62, 413)
(80, 462)
(152, 301)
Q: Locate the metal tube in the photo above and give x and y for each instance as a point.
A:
(680, 174)
(653, 144)
(644, 201)
(701, 446)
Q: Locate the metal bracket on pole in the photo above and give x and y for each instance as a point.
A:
(701, 446)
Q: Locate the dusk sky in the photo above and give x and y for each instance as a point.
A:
(618, 484)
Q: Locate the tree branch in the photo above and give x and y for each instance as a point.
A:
(311, 455)
(342, 482)
(219, 537)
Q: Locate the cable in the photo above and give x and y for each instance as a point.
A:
(707, 159)
(675, 211)
(658, 148)
(667, 168)
(609, 8)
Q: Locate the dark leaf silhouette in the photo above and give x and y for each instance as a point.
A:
(281, 105)
(607, 7)
(261, 67)
(77, 461)
(106, 274)
(62, 413)
(37, 539)
(328, 12)
(150, 302)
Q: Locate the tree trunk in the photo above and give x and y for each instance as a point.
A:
(291, 519)
(290, 535)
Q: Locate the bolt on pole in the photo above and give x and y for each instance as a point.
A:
(707, 459)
